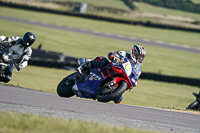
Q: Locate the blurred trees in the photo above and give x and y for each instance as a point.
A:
(129, 3)
(185, 5)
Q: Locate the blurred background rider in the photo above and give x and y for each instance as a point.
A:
(20, 51)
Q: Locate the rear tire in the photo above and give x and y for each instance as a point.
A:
(65, 90)
(116, 94)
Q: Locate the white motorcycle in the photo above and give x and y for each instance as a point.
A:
(5, 62)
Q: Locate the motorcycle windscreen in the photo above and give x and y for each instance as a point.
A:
(89, 87)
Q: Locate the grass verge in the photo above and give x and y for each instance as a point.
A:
(13, 122)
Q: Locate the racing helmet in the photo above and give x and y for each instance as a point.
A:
(28, 39)
(138, 52)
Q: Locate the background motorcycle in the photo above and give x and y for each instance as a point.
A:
(5, 61)
(196, 104)
(104, 84)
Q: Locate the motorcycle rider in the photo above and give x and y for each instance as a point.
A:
(136, 55)
(20, 51)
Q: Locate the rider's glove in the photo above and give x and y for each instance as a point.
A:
(17, 67)
(98, 59)
(114, 57)
(83, 68)
(111, 56)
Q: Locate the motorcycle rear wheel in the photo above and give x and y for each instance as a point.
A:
(194, 106)
(116, 94)
(65, 90)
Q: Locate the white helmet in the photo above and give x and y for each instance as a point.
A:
(138, 52)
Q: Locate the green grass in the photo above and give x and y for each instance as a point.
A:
(105, 3)
(161, 95)
(196, 1)
(117, 4)
(147, 8)
(39, 78)
(25, 123)
(158, 60)
(186, 38)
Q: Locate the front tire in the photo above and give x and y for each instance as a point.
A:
(5, 80)
(114, 95)
(194, 105)
(64, 88)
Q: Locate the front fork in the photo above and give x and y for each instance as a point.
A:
(76, 91)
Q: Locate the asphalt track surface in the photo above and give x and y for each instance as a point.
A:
(36, 102)
(108, 35)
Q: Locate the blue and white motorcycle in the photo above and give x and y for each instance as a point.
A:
(104, 84)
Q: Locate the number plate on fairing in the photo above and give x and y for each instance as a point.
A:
(128, 68)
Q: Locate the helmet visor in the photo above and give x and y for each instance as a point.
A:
(139, 57)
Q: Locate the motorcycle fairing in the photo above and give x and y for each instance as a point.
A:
(97, 76)
(128, 72)
(107, 71)
(111, 71)
(89, 87)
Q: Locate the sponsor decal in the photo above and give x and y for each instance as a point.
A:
(93, 76)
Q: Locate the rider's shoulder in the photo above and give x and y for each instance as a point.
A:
(2, 37)
(14, 38)
(29, 49)
(121, 53)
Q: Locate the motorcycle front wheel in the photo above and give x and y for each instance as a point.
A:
(64, 88)
(101, 97)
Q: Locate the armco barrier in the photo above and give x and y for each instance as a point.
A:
(170, 79)
(44, 55)
(46, 58)
(47, 55)
(53, 64)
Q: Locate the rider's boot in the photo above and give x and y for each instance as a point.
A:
(118, 100)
